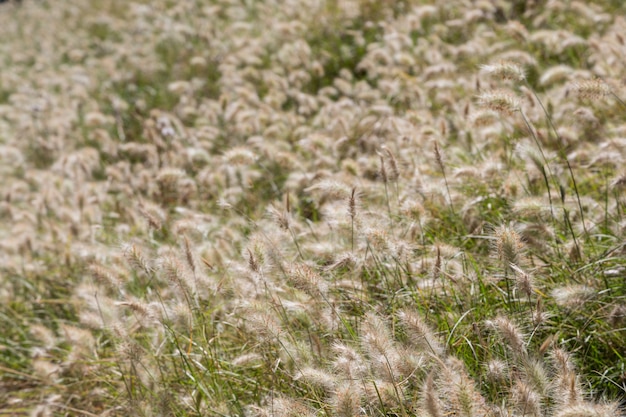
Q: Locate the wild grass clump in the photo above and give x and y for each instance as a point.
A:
(338, 208)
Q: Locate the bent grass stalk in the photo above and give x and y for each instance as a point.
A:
(564, 157)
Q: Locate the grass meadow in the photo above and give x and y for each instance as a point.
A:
(313, 208)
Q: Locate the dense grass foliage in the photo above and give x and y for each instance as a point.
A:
(312, 208)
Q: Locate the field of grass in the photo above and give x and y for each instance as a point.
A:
(313, 208)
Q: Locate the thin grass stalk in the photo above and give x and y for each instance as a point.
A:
(395, 173)
(565, 159)
(439, 159)
(286, 224)
(385, 178)
(543, 172)
(352, 213)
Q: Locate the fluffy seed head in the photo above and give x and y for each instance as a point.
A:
(135, 257)
(505, 71)
(617, 316)
(497, 370)
(592, 89)
(527, 401)
(438, 156)
(349, 363)
(352, 203)
(239, 156)
(105, 277)
(304, 278)
(501, 101)
(419, 332)
(347, 401)
(317, 378)
(394, 172)
(153, 215)
(572, 296)
(431, 399)
(568, 389)
(589, 410)
(510, 333)
(523, 280)
(508, 247)
(280, 217)
(536, 376)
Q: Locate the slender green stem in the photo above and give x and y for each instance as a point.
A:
(564, 157)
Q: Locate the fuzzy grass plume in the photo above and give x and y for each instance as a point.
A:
(351, 208)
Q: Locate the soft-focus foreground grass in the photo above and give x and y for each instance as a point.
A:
(329, 207)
